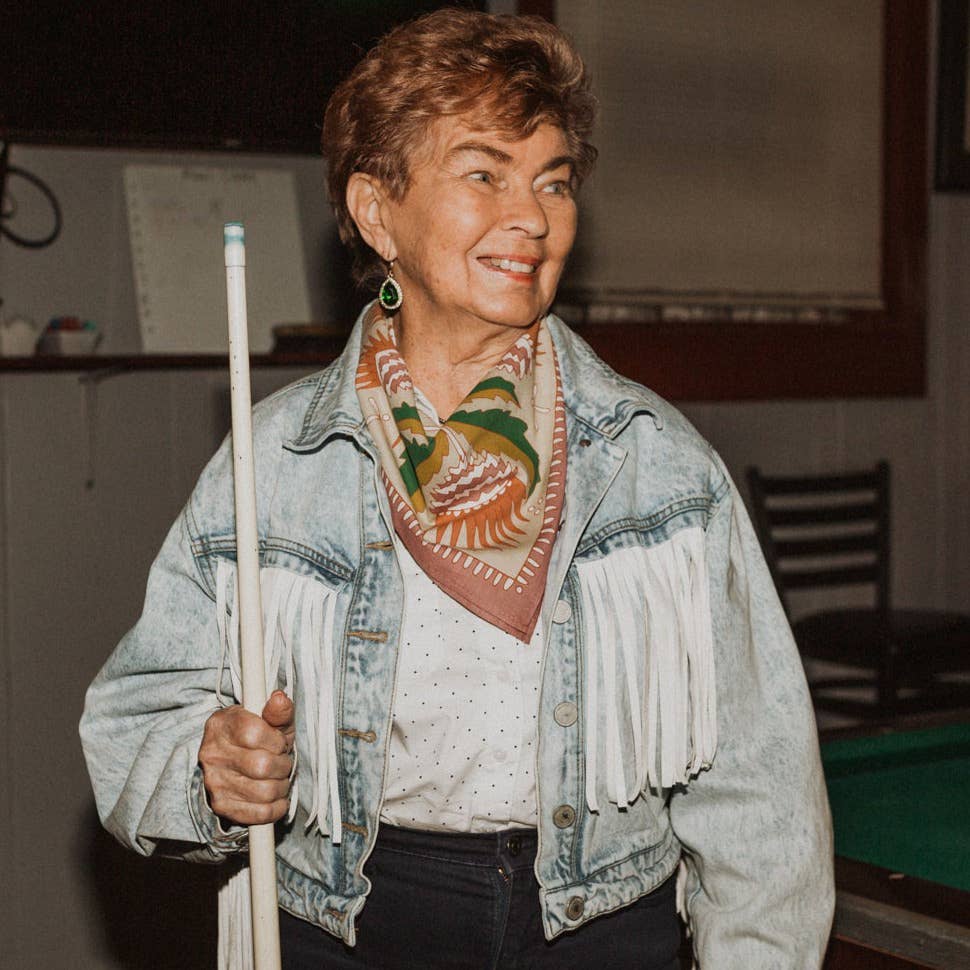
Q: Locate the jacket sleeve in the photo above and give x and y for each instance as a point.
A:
(145, 712)
(755, 827)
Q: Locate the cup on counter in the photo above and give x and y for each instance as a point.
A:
(18, 337)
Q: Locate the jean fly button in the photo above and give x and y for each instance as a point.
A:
(514, 845)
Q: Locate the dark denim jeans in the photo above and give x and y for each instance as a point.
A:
(443, 901)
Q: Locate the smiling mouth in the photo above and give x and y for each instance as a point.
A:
(510, 265)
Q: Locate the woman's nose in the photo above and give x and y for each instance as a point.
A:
(524, 212)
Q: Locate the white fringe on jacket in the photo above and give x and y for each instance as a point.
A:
(654, 598)
(235, 949)
(295, 609)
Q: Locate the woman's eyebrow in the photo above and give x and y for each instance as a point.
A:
(504, 158)
(559, 161)
(482, 148)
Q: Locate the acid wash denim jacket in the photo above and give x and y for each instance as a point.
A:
(674, 720)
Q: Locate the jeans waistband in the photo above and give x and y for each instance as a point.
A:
(466, 847)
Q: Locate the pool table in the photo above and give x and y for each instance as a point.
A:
(900, 797)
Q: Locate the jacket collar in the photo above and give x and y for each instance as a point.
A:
(595, 395)
(334, 409)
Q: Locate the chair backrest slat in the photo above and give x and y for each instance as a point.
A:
(827, 545)
(823, 514)
(844, 576)
(815, 529)
(803, 485)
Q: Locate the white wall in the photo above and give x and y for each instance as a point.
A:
(74, 571)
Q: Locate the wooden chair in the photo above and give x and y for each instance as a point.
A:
(832, 531)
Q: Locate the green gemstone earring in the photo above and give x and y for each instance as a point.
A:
(390, 295)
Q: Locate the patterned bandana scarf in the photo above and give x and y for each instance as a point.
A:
(476, 502)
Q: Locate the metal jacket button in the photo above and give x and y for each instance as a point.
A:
(562, 612)
(564, 816)
(566, 714)
(574, 908)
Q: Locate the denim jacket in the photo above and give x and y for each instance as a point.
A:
(674, 720)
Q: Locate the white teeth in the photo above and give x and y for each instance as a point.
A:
(512, 265)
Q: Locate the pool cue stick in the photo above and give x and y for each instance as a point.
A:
(262, 845)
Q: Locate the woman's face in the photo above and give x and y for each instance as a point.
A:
(483, 231)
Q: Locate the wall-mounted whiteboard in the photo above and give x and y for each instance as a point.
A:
(175, 218)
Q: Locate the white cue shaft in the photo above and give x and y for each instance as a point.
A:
(262, 845)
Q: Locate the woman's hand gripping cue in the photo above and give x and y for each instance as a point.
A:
(247, 760)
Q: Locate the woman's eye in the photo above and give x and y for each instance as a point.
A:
(559, 187)
(484, 177)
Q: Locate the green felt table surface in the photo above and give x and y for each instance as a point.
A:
(902, 801)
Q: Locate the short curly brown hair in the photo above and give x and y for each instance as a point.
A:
(511, 73)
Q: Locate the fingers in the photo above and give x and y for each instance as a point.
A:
(246, 801)
(237, 812)
(246, 762)
(280, 713)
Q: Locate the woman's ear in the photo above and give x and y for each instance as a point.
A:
(366, 204)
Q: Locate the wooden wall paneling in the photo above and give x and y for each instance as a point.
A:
(60, 598)
(82, 558)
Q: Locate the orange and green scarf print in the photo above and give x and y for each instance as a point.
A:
(477, 501)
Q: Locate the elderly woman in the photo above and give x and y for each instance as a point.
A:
(531, 663)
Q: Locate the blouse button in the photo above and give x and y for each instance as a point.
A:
(566, 714)
(574, 908)
(562, 612)
(564, 816)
